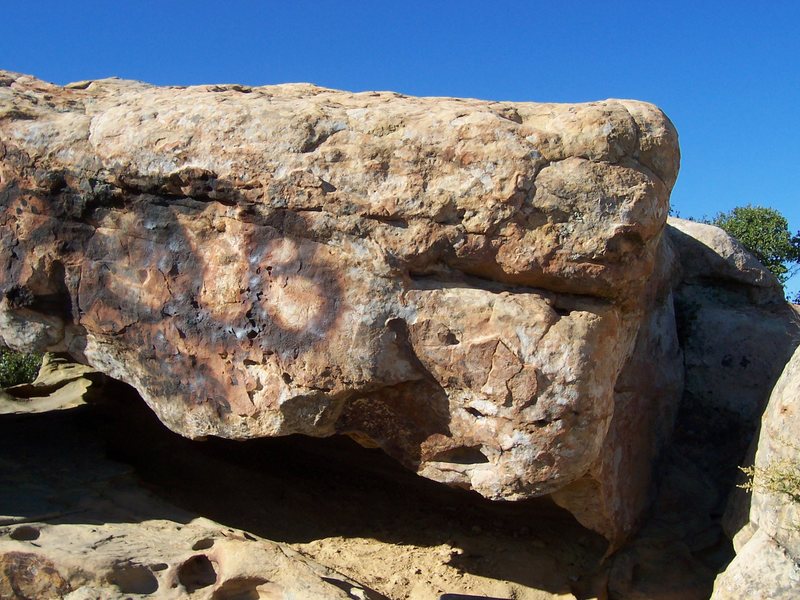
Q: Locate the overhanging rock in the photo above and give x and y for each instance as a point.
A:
(459, 282)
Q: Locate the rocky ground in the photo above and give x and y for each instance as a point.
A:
(78, 481)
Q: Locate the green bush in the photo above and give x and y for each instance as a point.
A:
(18, 367)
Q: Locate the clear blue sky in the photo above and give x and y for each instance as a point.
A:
(726, 72)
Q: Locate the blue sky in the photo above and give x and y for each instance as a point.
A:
(727, 73)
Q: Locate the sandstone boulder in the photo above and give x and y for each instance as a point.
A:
(459, 282)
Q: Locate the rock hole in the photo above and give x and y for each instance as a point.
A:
(541, 422)
(287, 379)
(133, 579)
(203, 544)
(463, 455)
(19, 296)
(448, 338)
(159, 567)
(25, 533)
(561, 311)
(196, 573)
(474, 412)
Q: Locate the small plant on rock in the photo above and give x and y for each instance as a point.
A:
(780, 477)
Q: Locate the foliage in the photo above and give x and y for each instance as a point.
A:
(765, 233)
(18, 367)
(778, 477)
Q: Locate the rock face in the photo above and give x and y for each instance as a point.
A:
(736, 329)
(458, 282)
(767, 564)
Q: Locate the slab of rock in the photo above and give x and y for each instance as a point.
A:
(762, 569)
(456, 281)
(198, 559)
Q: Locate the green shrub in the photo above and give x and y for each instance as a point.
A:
(18, 367)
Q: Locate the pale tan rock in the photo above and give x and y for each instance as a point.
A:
(779, 448)
(159, 558)
(457, 281)
(762, 570)
(708, 253)
(647, 395)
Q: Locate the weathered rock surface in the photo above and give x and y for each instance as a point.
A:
(761, 569)
(160, 558)
(459, 282)
(737, 333)
(647, 395)
(767, 564)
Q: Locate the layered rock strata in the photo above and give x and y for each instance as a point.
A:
(456, 281)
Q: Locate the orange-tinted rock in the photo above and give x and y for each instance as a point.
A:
(457, 281)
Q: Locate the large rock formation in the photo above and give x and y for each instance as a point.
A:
(459, 282)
